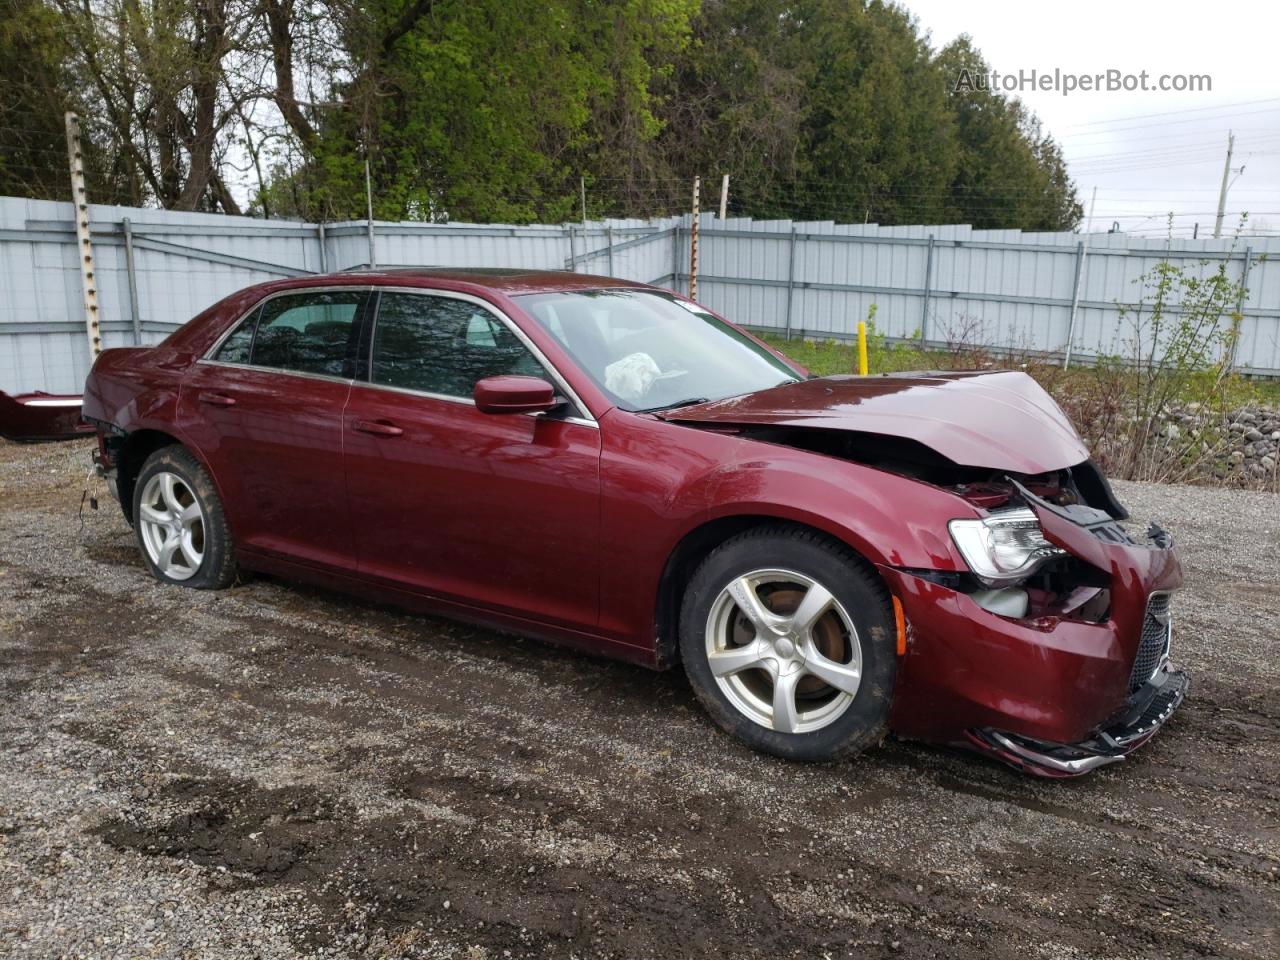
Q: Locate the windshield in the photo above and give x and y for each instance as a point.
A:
(651, 351)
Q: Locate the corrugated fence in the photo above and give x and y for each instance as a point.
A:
(1002, 289)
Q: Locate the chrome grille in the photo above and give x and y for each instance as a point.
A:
(1154, 643)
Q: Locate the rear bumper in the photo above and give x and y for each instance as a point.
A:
(35, 418)
(1147, 712)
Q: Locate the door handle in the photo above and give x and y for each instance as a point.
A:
(379, 428)
(217, 399)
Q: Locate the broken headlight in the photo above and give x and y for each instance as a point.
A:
(1004, 547)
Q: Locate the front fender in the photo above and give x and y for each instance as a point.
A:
(661, 483)
(889, 519)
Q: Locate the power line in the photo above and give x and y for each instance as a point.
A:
(1160, 152)
(1088, 140)
(1105, 170)
(1183, 139)
(1199, 213)
(1106, 159)
(1167, 123)
(1170, 113)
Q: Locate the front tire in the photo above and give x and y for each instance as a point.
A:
(180, 524)
(787, 637)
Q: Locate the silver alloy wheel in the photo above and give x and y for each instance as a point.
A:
(172, 526)
(780, 667)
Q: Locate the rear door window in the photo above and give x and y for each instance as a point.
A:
(308, 333)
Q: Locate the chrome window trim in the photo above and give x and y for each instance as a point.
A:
(209, 354)
(283, 370)
(461, 401)
(556, 377)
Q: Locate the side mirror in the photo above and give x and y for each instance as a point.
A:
(514, 394)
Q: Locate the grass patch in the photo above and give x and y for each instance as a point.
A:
(827, 357)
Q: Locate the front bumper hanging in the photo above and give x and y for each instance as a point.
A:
(1052, 696)
(1145, 712)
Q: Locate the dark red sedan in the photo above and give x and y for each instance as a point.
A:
(612, 466)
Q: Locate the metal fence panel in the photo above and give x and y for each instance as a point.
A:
(946, 283)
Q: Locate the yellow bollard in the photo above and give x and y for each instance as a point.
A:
(862, 347)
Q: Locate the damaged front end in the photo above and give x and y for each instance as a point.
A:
(1157, 699)
(1052, 652)
(1048, 647)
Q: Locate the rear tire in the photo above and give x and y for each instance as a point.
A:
(179, 522)
(787, 637)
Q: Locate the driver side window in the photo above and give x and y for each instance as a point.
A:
(443, 345)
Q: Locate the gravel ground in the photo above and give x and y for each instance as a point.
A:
(272, 771)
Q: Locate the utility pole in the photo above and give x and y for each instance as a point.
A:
(1222, 194)
(131, 268)
(1081, 253)
(724, 196)
(368, 196)
(582, 192)
(84, 244)
(693, 242)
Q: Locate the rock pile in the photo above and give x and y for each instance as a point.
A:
(1245, 444)
(1254, 440)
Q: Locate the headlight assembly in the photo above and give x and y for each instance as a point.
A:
(1003, 548)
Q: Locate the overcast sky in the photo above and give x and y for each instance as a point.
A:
(1145, 166)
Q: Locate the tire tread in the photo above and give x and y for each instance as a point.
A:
(224, 571)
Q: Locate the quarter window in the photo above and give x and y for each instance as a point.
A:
(235, 349)
(443, 345)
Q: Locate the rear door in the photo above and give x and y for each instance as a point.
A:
(265, 409)
(498, 511)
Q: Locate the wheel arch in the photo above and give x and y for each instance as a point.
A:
(138, 445)
(694, 547)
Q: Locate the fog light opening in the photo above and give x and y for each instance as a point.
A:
(1005, 601)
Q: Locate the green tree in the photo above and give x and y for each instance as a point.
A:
(735, 102)
(486, 109)
(839, 109)
(160, 83)
(37, 86)
(880, 141)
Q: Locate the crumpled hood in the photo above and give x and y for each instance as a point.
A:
(1002, 421)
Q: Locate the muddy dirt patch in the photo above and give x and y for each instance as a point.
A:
(274, 771)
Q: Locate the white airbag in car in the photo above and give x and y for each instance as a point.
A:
(631, 377)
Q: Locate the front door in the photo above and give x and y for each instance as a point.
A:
(266, 412)
(497, 511)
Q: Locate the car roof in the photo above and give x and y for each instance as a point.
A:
(511, 281)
